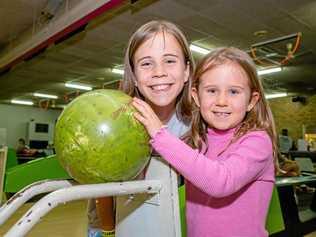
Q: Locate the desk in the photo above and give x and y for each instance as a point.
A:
(288, 181)
(309, 154)
(293, 225)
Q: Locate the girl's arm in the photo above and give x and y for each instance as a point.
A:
(217, 178)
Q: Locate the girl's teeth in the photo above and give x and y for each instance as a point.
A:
(220, 114)
(160, 87)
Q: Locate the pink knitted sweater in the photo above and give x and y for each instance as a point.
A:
(227, 195)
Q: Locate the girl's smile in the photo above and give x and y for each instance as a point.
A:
(221, 114)
(163, 87)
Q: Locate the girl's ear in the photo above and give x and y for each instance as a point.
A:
(187, 72)
(255, 96)
(195, 96)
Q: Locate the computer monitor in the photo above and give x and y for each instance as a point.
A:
(36, 144)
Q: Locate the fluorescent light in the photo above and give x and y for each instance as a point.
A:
(22, 102)
(269, 70)
(78, 86)
(199, 49)
(276, 95)
(117, 71)
(45, 96)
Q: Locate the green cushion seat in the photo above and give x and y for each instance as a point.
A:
(17, 177)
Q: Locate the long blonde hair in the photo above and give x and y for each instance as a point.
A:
(143, 33)
(258, 118)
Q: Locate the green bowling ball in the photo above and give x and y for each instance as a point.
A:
(98, 140)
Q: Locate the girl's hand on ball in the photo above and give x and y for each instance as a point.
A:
(147, 116)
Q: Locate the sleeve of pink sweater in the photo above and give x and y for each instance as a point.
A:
(217, 177)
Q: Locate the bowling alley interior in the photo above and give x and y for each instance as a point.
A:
(57, 55)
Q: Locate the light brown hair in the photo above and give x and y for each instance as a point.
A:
(143, 33)
(258, 118)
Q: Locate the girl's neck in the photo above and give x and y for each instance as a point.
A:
(164, 113)
(219, 131)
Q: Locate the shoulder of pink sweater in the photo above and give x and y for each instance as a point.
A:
(256, 143)
(255, 136)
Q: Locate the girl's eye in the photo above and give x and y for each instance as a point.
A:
(211, 90)
(170, 61)
(234, 92)
(145, 64)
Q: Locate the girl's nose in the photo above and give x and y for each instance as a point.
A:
(221, 99)
(159, 70)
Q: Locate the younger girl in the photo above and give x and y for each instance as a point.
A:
(230, 170)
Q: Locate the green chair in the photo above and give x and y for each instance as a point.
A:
(12, 159)
(17, 177)
(181, 191)
(274, 222)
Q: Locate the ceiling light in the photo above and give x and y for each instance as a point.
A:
(199, 49)
(45, 96)
(269, 70)
(260, 33)
(275, 95)
(22, 102)
(117, 71)
(78, 86)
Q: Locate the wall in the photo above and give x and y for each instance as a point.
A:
(286, 114)
(293, 116)
(15, 118)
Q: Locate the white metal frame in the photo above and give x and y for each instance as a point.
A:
(27, 193)
(65, 193)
